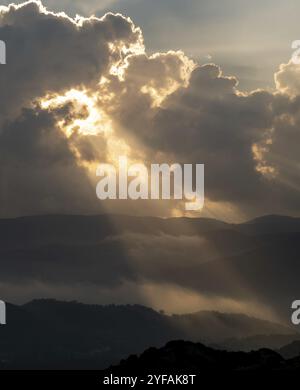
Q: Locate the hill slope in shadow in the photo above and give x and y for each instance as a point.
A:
(187, 357)
(53, 334)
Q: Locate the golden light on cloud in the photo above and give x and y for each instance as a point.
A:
(87, 117)
(259, 151)
(117, 147)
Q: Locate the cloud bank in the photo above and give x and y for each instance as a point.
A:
(161, 107)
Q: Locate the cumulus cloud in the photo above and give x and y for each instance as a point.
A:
(160, 108)
(209, 120)
(50, 52)
(287, 79)
(41, 169)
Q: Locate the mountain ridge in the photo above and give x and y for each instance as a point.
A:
(180, 356)
(42, 333)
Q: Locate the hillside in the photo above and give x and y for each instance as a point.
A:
(186, 357)
(49, 334)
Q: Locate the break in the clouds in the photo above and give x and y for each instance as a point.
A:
(76, 92)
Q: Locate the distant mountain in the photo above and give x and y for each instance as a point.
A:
(272, 224)
(70, 335)
(276, 342)
(291, 350)
(270, 270)
(257, 260)
(215, 327)
(68, 228)
(187, 357)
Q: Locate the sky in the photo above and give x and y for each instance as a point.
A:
(79, 92)
(164, 81)
(248, 39)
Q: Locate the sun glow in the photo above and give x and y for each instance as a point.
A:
(87, 118)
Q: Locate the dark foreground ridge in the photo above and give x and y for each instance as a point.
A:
(184, 356)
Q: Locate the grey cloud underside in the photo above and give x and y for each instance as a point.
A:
(210, 122)
(39, 172)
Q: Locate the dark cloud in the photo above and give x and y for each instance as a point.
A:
(208, 122)
(39, 172)
(246, 141)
